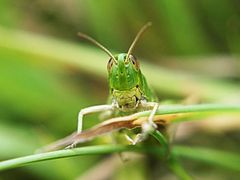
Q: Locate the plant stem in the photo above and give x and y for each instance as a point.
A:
(209, 156)
(227, 160)
(170, 109)
(197, 108)
(172, 161)
(177, 168)
(92, 150)
(161, 139)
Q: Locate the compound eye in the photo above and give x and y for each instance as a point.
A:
(110, 64)
(134, 61)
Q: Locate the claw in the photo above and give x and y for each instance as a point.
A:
(138, 138)
(129, 139)
(71, 146)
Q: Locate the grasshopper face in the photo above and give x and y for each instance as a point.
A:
(124, 73)
(124, 81)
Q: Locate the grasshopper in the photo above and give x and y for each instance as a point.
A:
(129, 91)
(129, 95)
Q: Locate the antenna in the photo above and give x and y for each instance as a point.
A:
(141, 31)
(84, 36)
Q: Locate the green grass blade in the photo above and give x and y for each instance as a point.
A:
(226, 160)
(90, 150)
(161, 139)
(177, 168)
(197, 109)
(215, 157)
(172, 161)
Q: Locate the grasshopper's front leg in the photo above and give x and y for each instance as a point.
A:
(89, 110)
(85, 111)
(148, 126)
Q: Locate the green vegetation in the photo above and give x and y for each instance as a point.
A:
(190, 57)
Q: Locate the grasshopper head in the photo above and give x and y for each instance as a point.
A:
(123, 69)
(123, 72)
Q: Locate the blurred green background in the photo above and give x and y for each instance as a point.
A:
(47, 74)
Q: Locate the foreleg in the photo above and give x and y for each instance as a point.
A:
(89, 110)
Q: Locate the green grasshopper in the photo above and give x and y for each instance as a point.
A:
(129, 91)
(129, 95)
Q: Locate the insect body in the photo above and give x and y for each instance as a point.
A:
(129, 91)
